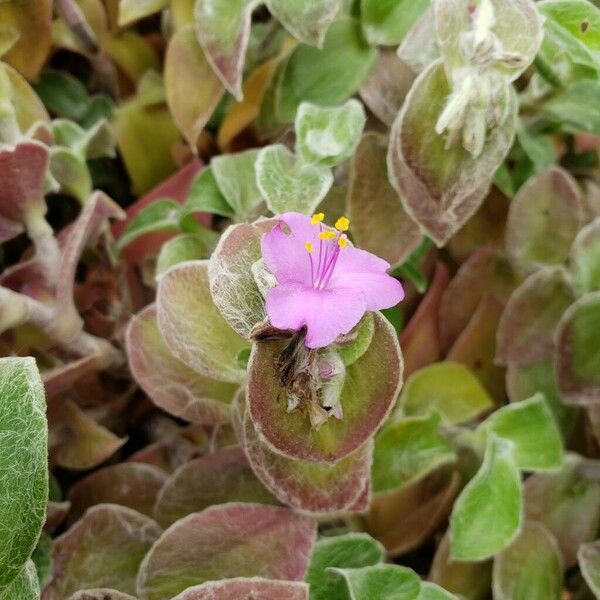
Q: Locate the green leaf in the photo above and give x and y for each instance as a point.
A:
(42, 558)
(539, 149)
(579, 17)
(322, 75)
(132, 10)
(529, 424)
(62, 94)
(187, 246)
(352, 550)
(575, 108)
(362, 336)
(25, 586)
(531, 567)
(306, 20)
(585, 259)
(236, 179)
(386, 22)
(160, 215)
(407, 450)
(288, 183)
(205, 196)
(431, 591)
(384, 582)
(588, 556)
(488, 513)
(329, 136)
(70, 171)
(447, 387)
(23, 464)
(578, 352)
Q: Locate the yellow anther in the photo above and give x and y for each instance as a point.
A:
(317, 218)
(343, 242)
(309, 247)
(342, 224)
(327, 235)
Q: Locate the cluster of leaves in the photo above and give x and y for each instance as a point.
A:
(461, 138)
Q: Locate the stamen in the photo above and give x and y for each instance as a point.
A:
(309, 247)
(327, 235)
(342, 224)
(317, 218)
(342, 242)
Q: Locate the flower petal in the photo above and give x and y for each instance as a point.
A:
(283, 248)
(362, 271)
(326, 313)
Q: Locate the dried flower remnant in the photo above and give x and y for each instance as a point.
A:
(323, 282)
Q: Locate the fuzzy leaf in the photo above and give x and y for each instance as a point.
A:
(517, 27)
(543, 220)
(215, 478)
(329, 136)
(288, 183)
(387, 582)
(585, 259)
(223, 29)
(236, 178)
(531, 567)
(306, 20)
(386, 23)
(184, 247)
(130, 484)
(306, 486)
(578, 352)
(132, 10)
(352, 550)
(170, 383)
(447, 387)
(530, 426)
(25, 586)
(531, 315)
(193, 328)
(573, 107)
(321, 76)
(193, 90)
(431, 591)
(366, 401)
(71, 173)
(23, 465)
(251, 588)
(442, 187)
(567, 504)
(408, 449)
(103, 549)
(588, 557)
(205, 196)
(487, 515)
(231, 540)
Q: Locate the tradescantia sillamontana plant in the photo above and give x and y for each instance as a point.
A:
(387, 191)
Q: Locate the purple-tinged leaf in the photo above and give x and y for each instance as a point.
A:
(543, 220)
(56, 513)
(379, 223)
(475, 347)
(577, 356)
(305, 486)
(103, 549)
(169, 382)
(369, 391)
(192, 326)
(306, 20)
(223, 29)
(419, 47)
(130, 484)
(441, 186)
(251, 588)
(486, 271)
(588, 557)
(101, 594)
(585, 259)
(232, 284)
(527, 326)
(420, 340)
(567, 504)
(23, 171)
(386, 87)
(231, 540)
(215, 478)
(193, 90)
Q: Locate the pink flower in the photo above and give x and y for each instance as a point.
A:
(323, 281)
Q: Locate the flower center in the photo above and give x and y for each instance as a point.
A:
(331, 243)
